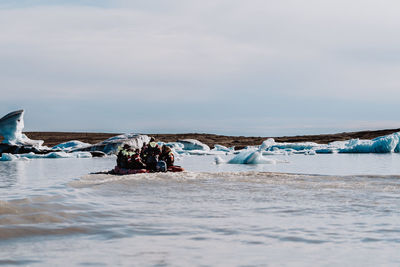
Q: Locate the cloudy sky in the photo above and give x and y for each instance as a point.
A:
(232, 67)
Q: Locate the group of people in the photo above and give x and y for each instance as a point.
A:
(152, 157)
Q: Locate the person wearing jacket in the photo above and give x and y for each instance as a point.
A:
(151, 154)
(123, 155)
(167, 155)
(135, 161)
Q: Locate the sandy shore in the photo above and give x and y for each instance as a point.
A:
(53, 138)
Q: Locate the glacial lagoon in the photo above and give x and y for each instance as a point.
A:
(325, 209)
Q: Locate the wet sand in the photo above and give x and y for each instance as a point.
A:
(53, 138)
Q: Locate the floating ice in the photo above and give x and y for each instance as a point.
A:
(219, 160)
(195, 147)
(8, 157)
(192, 144)
(175, 146)
(223, 149)
(270, 144)
(71, 145)
(51, 155)
(251, 156)
(111, 145)
(384, 144)
(11, 126)
(202, 152)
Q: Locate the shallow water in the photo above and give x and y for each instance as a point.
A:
(312, 210)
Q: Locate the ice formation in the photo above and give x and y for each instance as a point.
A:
(218, 160)
(384, 144)
(251, 156)
(11, 126)
(15, 142)
(51, 155)
(111, 145)
(195, 147)
(192, 144)
(223, 148)
(71, 146)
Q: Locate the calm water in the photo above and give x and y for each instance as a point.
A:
(326, 210)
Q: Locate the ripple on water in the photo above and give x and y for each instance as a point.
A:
(40, 216)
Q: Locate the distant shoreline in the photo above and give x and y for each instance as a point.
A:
(54, 138)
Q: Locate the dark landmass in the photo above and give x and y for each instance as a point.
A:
(54, 138)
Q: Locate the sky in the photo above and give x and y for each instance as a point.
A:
(252, 68)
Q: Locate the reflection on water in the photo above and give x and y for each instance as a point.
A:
(52, 212)
(10, 173)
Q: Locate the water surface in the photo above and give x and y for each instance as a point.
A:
(312, 210)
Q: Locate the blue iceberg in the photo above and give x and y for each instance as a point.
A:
(384, 144)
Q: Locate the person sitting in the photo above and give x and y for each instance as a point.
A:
(143, 152)
(167, 155)
(122, 157)
(151, 154)
(135, 161)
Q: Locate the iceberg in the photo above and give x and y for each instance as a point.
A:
(223, 149)
(8, 157)
(270, 144)
(253, 155)
(218, 160)
(11, 126)
(175, 146)
(51, 155)
(71, 145)
(111, 145)
(15, 142)
(384, 144)
(250, 156)
(195, 147)
(193, 144)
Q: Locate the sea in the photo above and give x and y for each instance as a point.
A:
(305, 210)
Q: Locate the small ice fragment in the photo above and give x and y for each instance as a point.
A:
(219, 160)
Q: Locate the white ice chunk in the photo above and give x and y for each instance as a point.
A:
(11, 126)
(175, 146)
(267, 144)
(192, 144)
(51, 155)
(219, 160)
(384, 144)
(310, 152)
(202, 152)
(222, 148)
(71, 145)
(8, 157)
(111, 145)
(251, 156)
